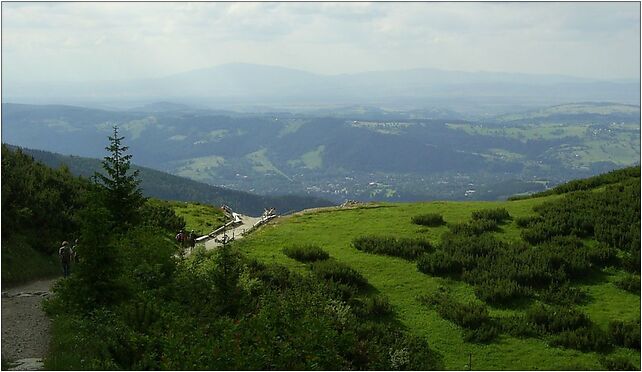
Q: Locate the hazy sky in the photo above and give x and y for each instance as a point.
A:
(98, 41)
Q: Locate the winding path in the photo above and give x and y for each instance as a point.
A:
(25, 327)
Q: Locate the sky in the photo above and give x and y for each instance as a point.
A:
(114, 41)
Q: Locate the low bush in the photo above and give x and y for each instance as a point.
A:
(439, 263)
(402, 247)
(474, 317)
(631, 262)
(338, 272)
(498, 291)
(272, 275)
(474, 227)
(528, 221)
(586, 338)
(603, 255)
(555, 319)
(518, 326)
(630, 283)
(430, 219)
(625, 334)
(306, 253)
(498, 215)
(563, 294)
(375, 306)
(618, 363)
(484, 334)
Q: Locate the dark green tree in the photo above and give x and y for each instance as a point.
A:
(124, 197)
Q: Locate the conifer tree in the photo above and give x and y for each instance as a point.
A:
(124, 197)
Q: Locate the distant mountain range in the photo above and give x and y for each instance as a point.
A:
(356, 152)
(168, 187)
(251, 86)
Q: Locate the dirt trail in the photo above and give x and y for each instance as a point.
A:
(25, 327)
(237, 232)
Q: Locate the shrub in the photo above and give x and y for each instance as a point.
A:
(467, 315)
(563, 294)
(554, 319)
(618, 363)
(274, 275)
(603, 255)
(631, 262)
(404, 247)
(430, 219)
(630, 283)
(498, 215)
(306, 253)
(338, 272)
(528, 221)
(439, 263)
(474, 227)
(587, 338)
(519, 326)
(498, 291)
(375, 306)
(626, 334)
(485, 333)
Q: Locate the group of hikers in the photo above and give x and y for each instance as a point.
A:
(68, 255)
(186, 240)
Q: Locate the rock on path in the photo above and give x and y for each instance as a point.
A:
(25, 327)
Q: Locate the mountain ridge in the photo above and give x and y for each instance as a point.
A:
(244, 84)
(171, 187)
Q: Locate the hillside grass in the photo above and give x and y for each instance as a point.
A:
(399, 280)
(202, 218)
(21, 263)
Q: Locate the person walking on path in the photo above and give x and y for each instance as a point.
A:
(65, 257)
(192, 240)
(74, 253)
(181, 238)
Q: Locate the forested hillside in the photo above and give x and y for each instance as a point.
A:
(38, 212)
(169, 187)
(40, 207)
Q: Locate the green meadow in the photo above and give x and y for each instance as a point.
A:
(400, 281)
(202, 218)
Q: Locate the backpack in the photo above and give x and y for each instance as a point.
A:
(65, 254)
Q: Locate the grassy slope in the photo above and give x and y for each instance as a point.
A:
(402, 283)
(202, 218)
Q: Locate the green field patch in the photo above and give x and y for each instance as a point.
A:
(292, 126)
(400, 281)
(201, 218)
(261, 163)
(135, 128)
(201, 168)
(313, 159)
(216, 135)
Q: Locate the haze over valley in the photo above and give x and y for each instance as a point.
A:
(356, 152)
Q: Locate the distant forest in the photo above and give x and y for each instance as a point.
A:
(166, 186)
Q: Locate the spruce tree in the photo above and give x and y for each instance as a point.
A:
(124, 197)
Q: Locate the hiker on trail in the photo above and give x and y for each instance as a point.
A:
(74, 253)
(192, 240)
(65, 257)
(180, 238)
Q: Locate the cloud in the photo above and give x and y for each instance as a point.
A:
(88, 40)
